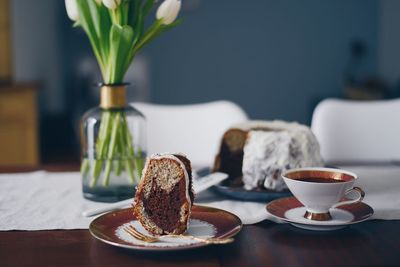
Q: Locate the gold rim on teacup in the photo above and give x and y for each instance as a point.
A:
(318, 216)
(304, 191)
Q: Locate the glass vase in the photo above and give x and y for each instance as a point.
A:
(113, 147)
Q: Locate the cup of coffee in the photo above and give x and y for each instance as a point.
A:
(320, 189)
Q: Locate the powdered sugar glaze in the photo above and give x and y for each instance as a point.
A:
(274, 147)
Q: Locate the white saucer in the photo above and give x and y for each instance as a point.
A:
(292, 211)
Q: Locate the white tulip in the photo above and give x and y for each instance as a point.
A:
(168, 11)
(72, 9)
(112, 4)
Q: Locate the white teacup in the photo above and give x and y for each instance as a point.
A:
(320, 189)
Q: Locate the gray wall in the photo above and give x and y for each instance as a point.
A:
(36, 49)
(276, 58)
(389, 41)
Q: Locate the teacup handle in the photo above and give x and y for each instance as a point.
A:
(347, 202)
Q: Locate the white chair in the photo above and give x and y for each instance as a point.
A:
(195, 130)
(358, 131)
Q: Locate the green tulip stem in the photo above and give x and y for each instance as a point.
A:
(126, 136)
(101, 146)
(111, 149)
(114, 150)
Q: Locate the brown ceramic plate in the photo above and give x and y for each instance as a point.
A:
(291, 210)
(205, 222)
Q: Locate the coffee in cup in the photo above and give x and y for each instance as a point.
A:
(320, 189)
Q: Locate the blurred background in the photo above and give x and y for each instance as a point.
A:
(275, 58)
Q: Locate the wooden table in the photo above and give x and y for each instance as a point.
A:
(372, 243)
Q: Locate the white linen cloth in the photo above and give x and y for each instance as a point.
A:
(382, 189)
(44, 200)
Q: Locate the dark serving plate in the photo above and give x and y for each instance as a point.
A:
(240, 193)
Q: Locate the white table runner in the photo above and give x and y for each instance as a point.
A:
(43, 200)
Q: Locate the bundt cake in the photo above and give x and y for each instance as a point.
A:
(164, 196)
(255, 153)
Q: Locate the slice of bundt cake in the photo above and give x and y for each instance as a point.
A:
(164, 197)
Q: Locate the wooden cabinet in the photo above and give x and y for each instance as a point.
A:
(18, 108)
(18, 125)
(5, 41)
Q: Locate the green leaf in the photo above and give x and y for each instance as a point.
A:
(147, 7)
(135, 10)
(143, 12)
(139, 44)
(154, 30)
(138, 28)
(120, 44)
(134, 17)
(114, 43)
(95, 17)
(105, 26)
(87, 22)
(125, 7)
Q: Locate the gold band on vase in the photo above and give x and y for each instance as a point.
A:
(113, 96)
